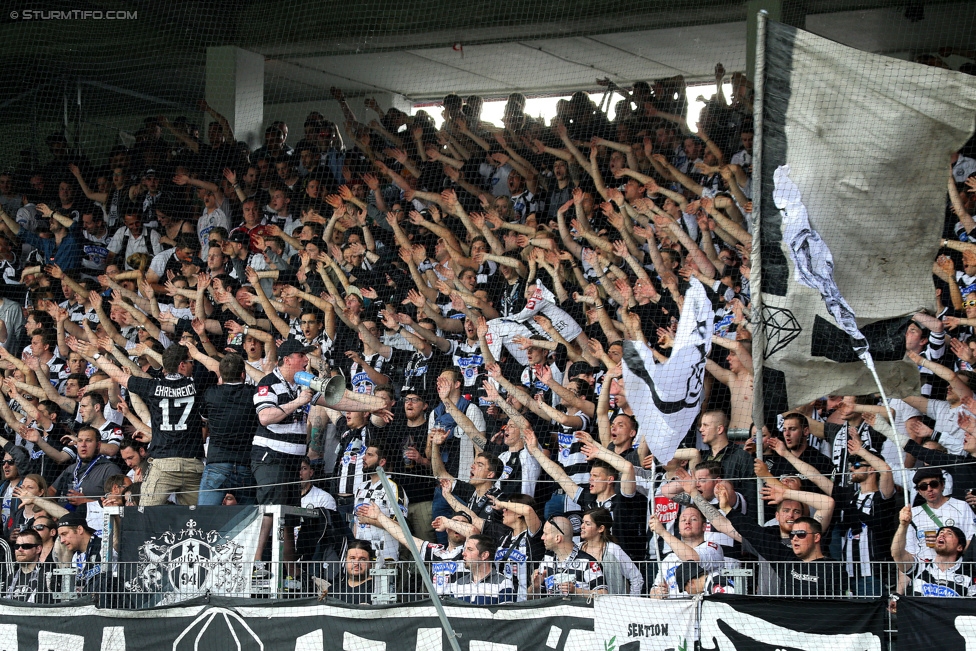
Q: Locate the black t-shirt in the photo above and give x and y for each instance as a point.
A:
(419, 373)
(868, 523)
(819, 578)
(175, 410)
(232, 421)
(31, 587)
(629, 519)
(396, 437)
(355, 595)
(465, 493)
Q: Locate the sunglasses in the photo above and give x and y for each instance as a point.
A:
(25, 546)
(42, 527)
(799, 534)
(9, 462)
(923, 486)
(552, 521)
(857, 464)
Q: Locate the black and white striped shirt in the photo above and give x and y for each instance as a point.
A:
(385, 545)
(287, 436)
(928, 580)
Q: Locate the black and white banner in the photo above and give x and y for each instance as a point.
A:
(572, 624)
(740, 623)
(178, 552)
(306, 625)
(946, 624)
(863, 142)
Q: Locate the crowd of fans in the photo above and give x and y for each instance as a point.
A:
(471, 285)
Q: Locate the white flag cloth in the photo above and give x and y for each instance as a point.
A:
(854, 154)
(666, 398)
(812, 261)
(502, 331)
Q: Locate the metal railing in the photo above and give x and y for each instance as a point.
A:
(147, 584)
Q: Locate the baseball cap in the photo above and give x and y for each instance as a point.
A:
(686, 572)
(149, 174)
(239, 237)
(74, 519)
(292, 346)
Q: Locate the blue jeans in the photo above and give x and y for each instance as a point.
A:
(867, 586)
(219, 478)
(440, 507)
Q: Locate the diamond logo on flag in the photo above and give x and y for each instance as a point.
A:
(781, 328)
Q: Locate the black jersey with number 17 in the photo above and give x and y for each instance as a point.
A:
(173, 403)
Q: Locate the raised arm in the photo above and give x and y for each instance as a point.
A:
(437, 437)
(821, 481)
(552, 468)
(100, 197)
(476, 436)
(683, 550)
(824, 504)
(899, 553)
(960, 387)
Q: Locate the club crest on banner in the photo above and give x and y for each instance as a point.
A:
(192, 560)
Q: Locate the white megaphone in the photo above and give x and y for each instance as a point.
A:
(332, 389)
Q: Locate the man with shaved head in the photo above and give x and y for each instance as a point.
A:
(565, 569)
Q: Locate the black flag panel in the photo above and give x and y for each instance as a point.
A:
(936, 623)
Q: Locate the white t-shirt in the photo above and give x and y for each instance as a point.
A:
(206, 223)
(497, 178)
(135, 244)
(902, 411)
(316, 498)
(710, 557)
(954, 513)
(950, 435)
(158, 264)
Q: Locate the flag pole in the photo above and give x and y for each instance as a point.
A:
(899, 443)
(755, 269)
(450, 634)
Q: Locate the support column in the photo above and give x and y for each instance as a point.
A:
(235, 89)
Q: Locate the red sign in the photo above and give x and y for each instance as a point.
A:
(665, 509)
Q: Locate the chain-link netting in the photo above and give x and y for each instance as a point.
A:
(517, 258)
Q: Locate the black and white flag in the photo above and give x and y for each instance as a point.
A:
(174, 553)
(742, 623)
(862, 145)
(666, 398)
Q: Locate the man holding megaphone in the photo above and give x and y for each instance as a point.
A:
(280, 443)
